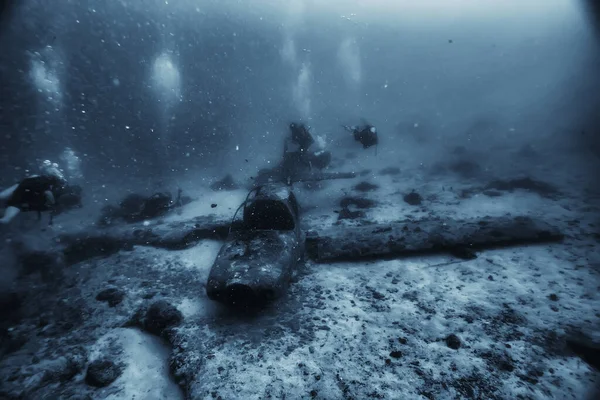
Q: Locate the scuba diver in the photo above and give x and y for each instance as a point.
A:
(365, 135)
(295, 149)
(298, 161)
(48, 191)
(296, 155)
(301, 136)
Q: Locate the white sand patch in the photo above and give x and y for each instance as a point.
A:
(226, 204)
(146, 375)
(198, 309)
(146, 372)
(440, 295)
(200, 257)
(190, 307)
(196, 262)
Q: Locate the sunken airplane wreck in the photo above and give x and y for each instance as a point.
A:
(261, 252)
(256, 262)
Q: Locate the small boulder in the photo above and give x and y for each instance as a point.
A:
(453, 342)
(112, 296)
(101, 373)
(161, 315)
(413, 198)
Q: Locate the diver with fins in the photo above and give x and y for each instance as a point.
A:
(365, 134)
(48, 191)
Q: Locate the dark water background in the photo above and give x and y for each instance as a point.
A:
(431, 77)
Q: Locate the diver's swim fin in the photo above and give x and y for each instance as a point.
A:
(346, 127)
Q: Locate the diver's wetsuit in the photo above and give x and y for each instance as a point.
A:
(301, 136)
(30, 194)
(297, 160)
(367, 136)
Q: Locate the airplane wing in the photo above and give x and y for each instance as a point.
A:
(325, 243)
(458, 237)
(177, 235)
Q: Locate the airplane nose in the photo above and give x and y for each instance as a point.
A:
(240, 294)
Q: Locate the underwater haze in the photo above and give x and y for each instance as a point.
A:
(158, 88)
(158, 119)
